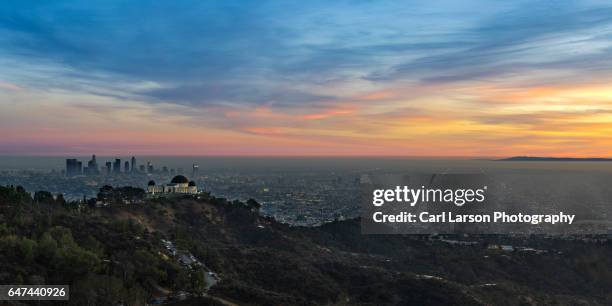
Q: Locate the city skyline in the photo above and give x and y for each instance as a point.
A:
(76, 167)
(271, 78)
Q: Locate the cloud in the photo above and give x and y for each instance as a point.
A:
(541, 117)
(9, 86)
(253, 52)
(527, 38)
(218, 94)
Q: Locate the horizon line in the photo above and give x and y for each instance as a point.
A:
(304, 156)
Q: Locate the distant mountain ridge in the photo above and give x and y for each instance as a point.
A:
(537, 158)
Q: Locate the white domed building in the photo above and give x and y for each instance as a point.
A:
(179, 185)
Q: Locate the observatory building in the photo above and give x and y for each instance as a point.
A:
(179, 185)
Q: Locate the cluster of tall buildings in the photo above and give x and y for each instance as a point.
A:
(75, 167)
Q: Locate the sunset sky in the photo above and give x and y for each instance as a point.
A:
(401, 78)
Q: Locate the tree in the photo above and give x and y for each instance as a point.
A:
(59, 199)
(47, 247)
(253, 205)
(27, 248)
(198, 280)
(20, 190)
(43, 197)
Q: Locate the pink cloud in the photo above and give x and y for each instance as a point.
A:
(9, 86)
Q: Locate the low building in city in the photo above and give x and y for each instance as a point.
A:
(179, 185)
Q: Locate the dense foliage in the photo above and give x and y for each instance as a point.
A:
(115, 255)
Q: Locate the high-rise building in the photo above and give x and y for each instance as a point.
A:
(133, 164)
(109, 168)
(71, 165)
(79, 168)
(149, 167)
(195, 171)
(126, 167)
(142, 168)
(117, 166)
(92, 166)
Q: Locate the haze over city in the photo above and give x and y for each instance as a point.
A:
(473, 78)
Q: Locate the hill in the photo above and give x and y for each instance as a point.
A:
(212, 251)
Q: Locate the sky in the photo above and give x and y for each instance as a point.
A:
(306, 78)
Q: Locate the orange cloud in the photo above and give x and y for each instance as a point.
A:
(378, 95)
(327, 114)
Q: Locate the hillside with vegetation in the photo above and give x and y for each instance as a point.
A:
(210, 251)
